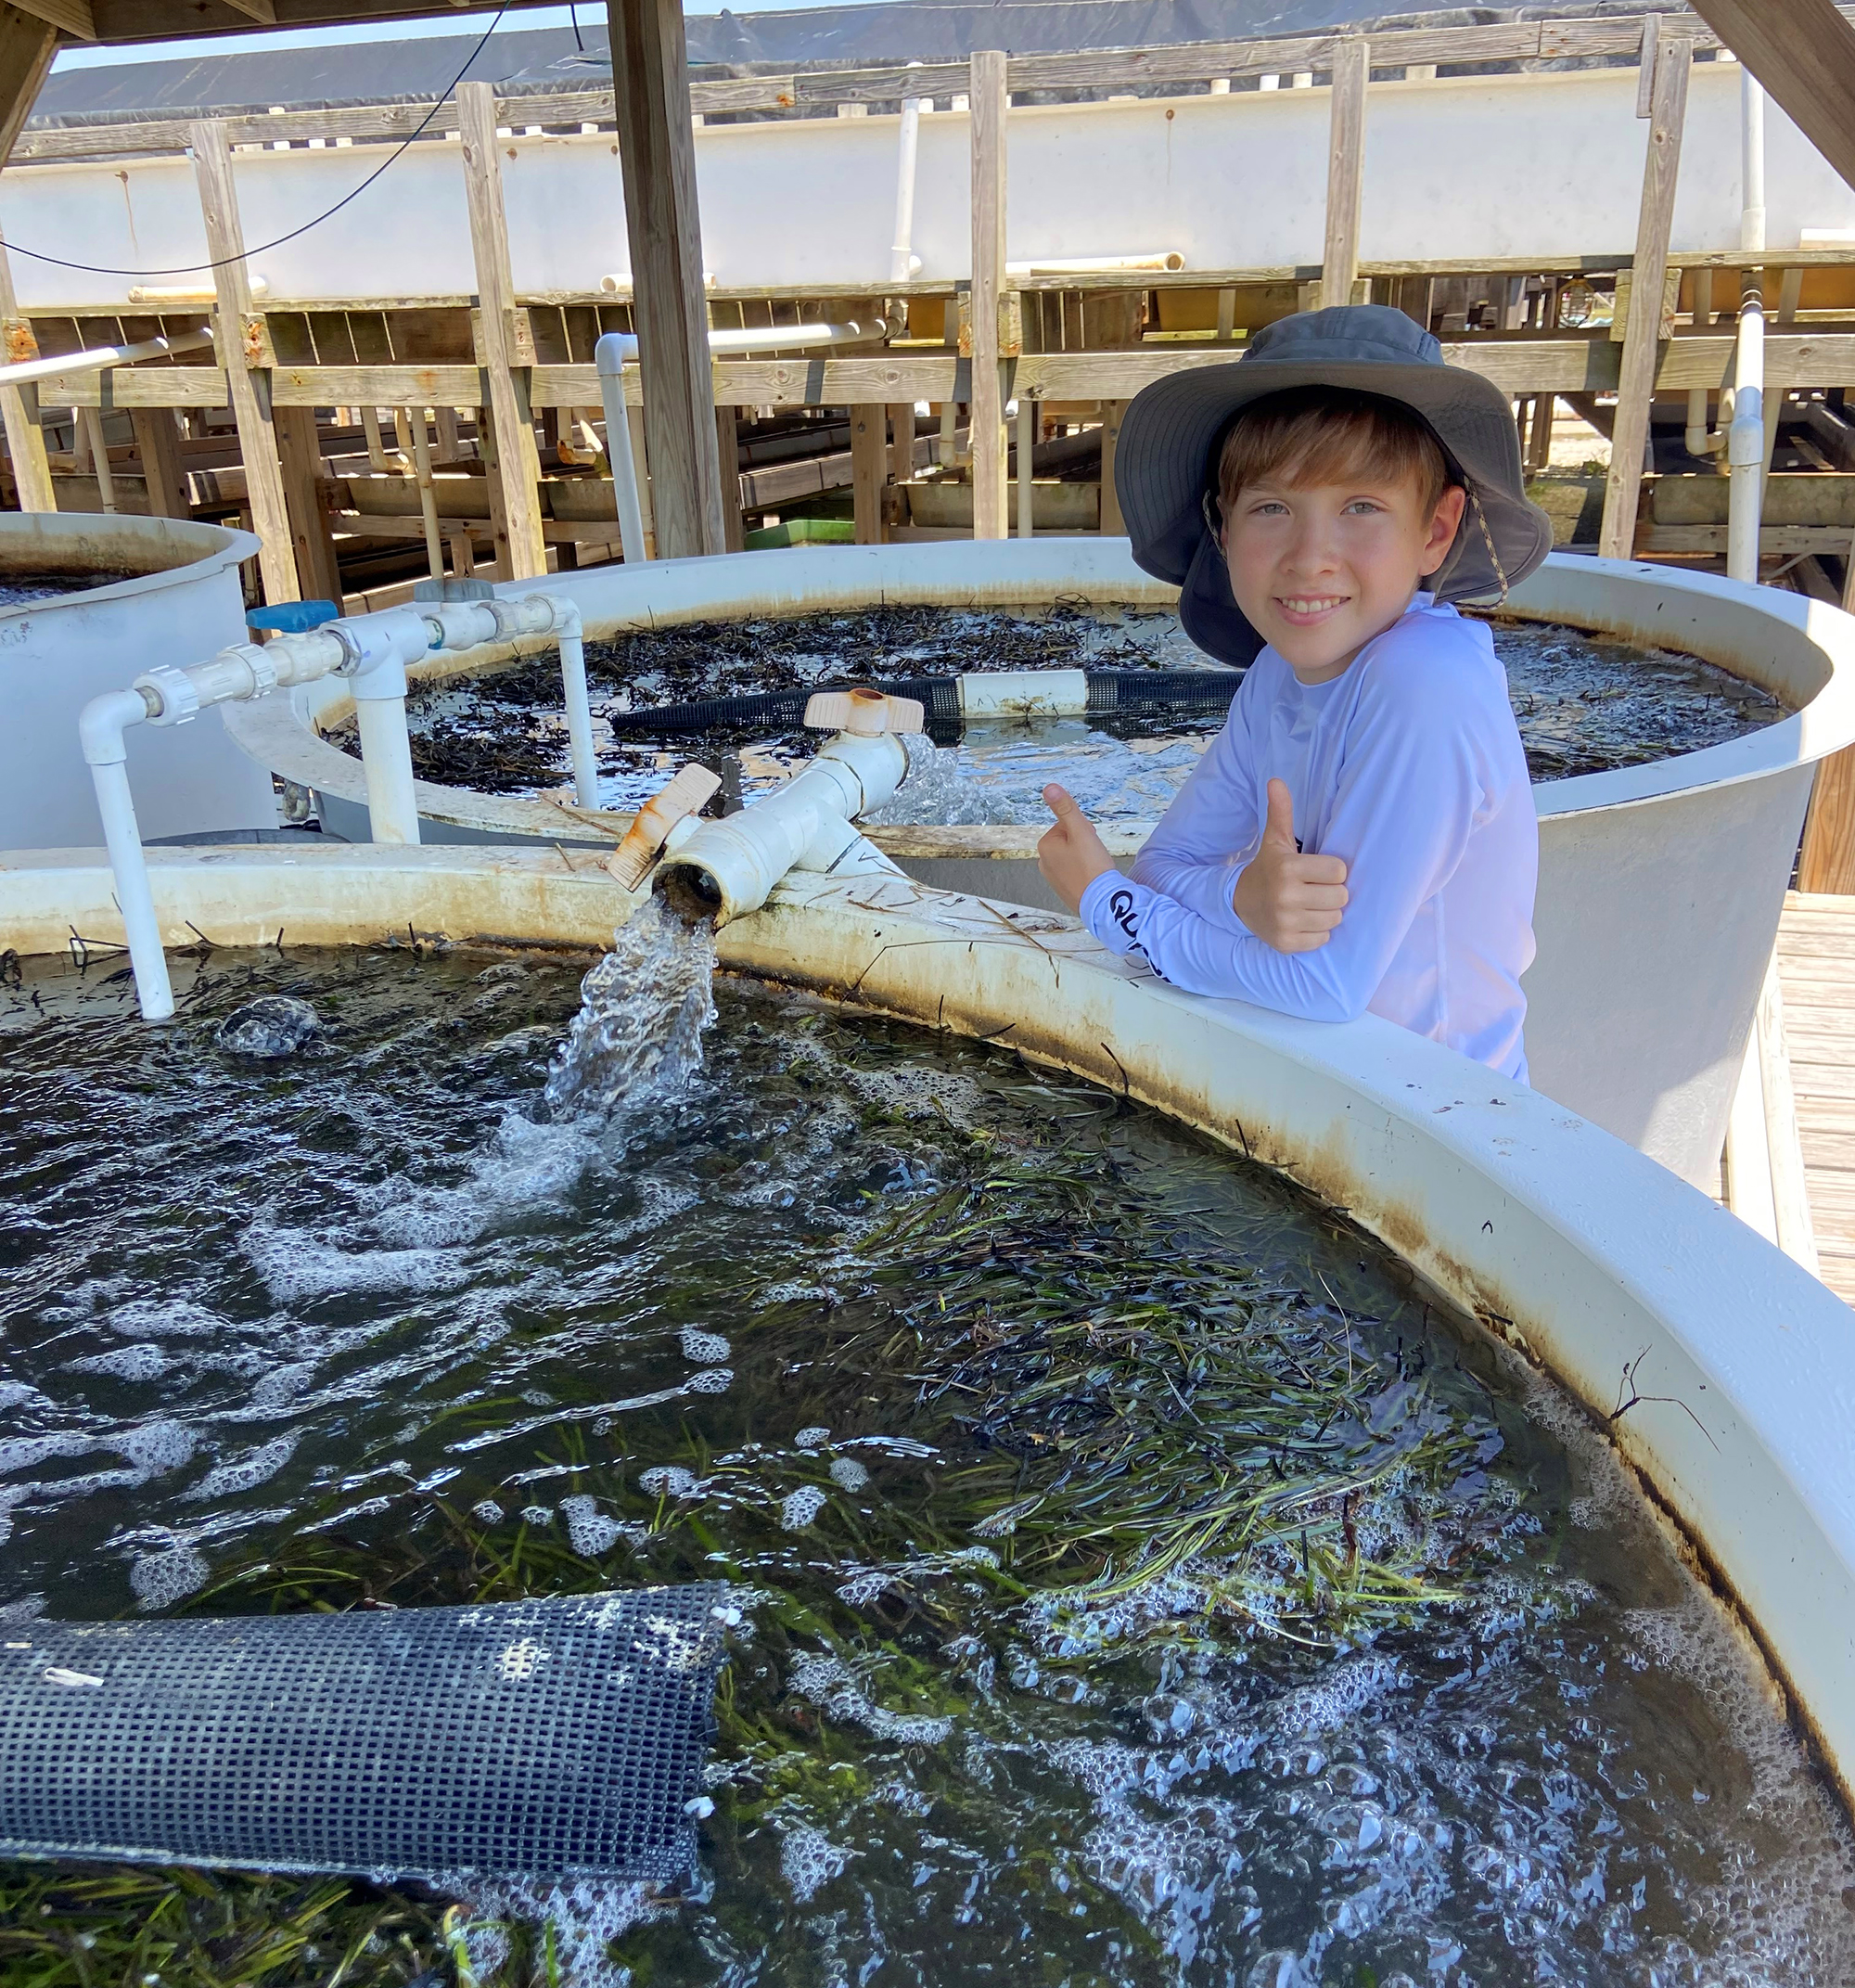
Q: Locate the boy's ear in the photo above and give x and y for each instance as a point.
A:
(1445, 522)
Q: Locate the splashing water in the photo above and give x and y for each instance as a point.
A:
(638, 1034)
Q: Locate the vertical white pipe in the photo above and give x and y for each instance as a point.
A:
(579, 721)
(385, 759)
(1751, 161)
(1745, 439)
(100, 731)
(900, 256)
(610, 356)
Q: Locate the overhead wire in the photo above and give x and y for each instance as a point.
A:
(189, 269)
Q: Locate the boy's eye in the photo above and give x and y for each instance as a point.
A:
(1364, 507)
(1269, 507)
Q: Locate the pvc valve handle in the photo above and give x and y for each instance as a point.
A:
(686, 792)
(863, 712)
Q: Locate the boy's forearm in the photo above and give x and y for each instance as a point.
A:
(1206, 886)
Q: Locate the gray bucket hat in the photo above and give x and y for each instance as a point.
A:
(1165, 464)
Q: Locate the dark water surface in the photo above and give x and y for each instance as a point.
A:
(1585, 703)
(18, 588)
(1140, 1582)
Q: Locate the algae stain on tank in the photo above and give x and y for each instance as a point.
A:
(1139, 1579)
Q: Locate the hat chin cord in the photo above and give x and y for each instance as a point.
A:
(1436, 579)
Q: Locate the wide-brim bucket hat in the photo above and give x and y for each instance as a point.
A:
(1164, 459)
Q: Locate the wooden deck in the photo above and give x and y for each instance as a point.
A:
(1816, 968)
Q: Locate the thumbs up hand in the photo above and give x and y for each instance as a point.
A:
(1289, 900)
(1072, 856)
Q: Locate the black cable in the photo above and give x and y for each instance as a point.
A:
(573, 15)
(189, 269)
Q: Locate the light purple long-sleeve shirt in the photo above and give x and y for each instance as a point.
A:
(1409, 767)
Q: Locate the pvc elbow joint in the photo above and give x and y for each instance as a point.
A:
(103, 721)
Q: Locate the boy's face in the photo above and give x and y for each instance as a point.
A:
(1320, 571)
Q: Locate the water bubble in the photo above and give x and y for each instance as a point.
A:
(258, 1467)
(489, 1511)
(849, 1474)
(711, 1381)
(808, 1859)
(143, 1361)
(537, 1514)
(704, 1348)
(589, 1531)
(668, 1481)
(813, 1438)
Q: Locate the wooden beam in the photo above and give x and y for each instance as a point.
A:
(264, 12)
(656, 149)
(1803, 51)
(1826, 862)
(241, 337)
(20, 405)
(26, 46)
(902, 441)
(1346, 168)
(990, 105)
(869, 463)
(1643, 339)
(73, 16)
(521, 550)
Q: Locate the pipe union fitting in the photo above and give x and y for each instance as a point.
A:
(176, 694)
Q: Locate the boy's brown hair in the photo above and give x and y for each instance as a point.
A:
(1310, 435)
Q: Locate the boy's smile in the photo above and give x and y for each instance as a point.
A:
(1318, 571)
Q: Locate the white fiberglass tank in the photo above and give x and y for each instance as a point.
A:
(86, 604)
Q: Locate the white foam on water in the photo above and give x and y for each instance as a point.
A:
(847, 1472)
(143, 1361)
(812, 1438)
(829, 1683)
(161, 1579)
(297, 1266)
(808, 1859)
(158, 1319)
(704, 1348)
(591, 1532)
(710, 1381)
(524, 1167)
(14, 1392)
(247, 1473)
(586, 1915)
(668, 1481)
(489, 1511)
(799, 1508)
(537, 1514)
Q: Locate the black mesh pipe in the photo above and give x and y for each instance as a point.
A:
(1195, 692)
(937, 696)
(548, 1738)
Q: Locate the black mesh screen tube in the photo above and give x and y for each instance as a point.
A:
(548, 1738)
(1200, 691)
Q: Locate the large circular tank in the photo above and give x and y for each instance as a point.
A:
(1661, 884)
(1559, 1239)
(86, 604)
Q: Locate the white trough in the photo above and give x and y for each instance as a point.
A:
(1558, 1237)
(180, 601)
(1660, 885)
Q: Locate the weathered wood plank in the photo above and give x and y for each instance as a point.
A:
(988, 184)
(19, 407)
(1346, 168)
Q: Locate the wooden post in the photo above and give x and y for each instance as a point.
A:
(1648, 276)
(1346, 168)
(522, 554)
(989, 106)
(244, 352)
(414, 440)
(27, 46)
(20, 405)
(869, 458)
(300, 453)
(1826, 862)
(91, 421)
(728, 458)
(163, 470)
(1112, 523)
(656, 149)
(902, 443)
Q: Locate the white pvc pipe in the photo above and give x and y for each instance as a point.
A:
(1745, 438)
(98, 358)
(100, 730)
(1751, 161)
(1087, 266)
(779, 338)
(385, 759)
(611, 354)
(579, 718)
(903, 261)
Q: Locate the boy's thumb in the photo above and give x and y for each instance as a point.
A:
(1061, 803)
(1280, 824)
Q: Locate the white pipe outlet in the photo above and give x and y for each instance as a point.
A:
(1745, 438)
(98, 358)
(727, 868)
(100, 730)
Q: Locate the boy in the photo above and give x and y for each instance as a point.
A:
(1360, 835)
